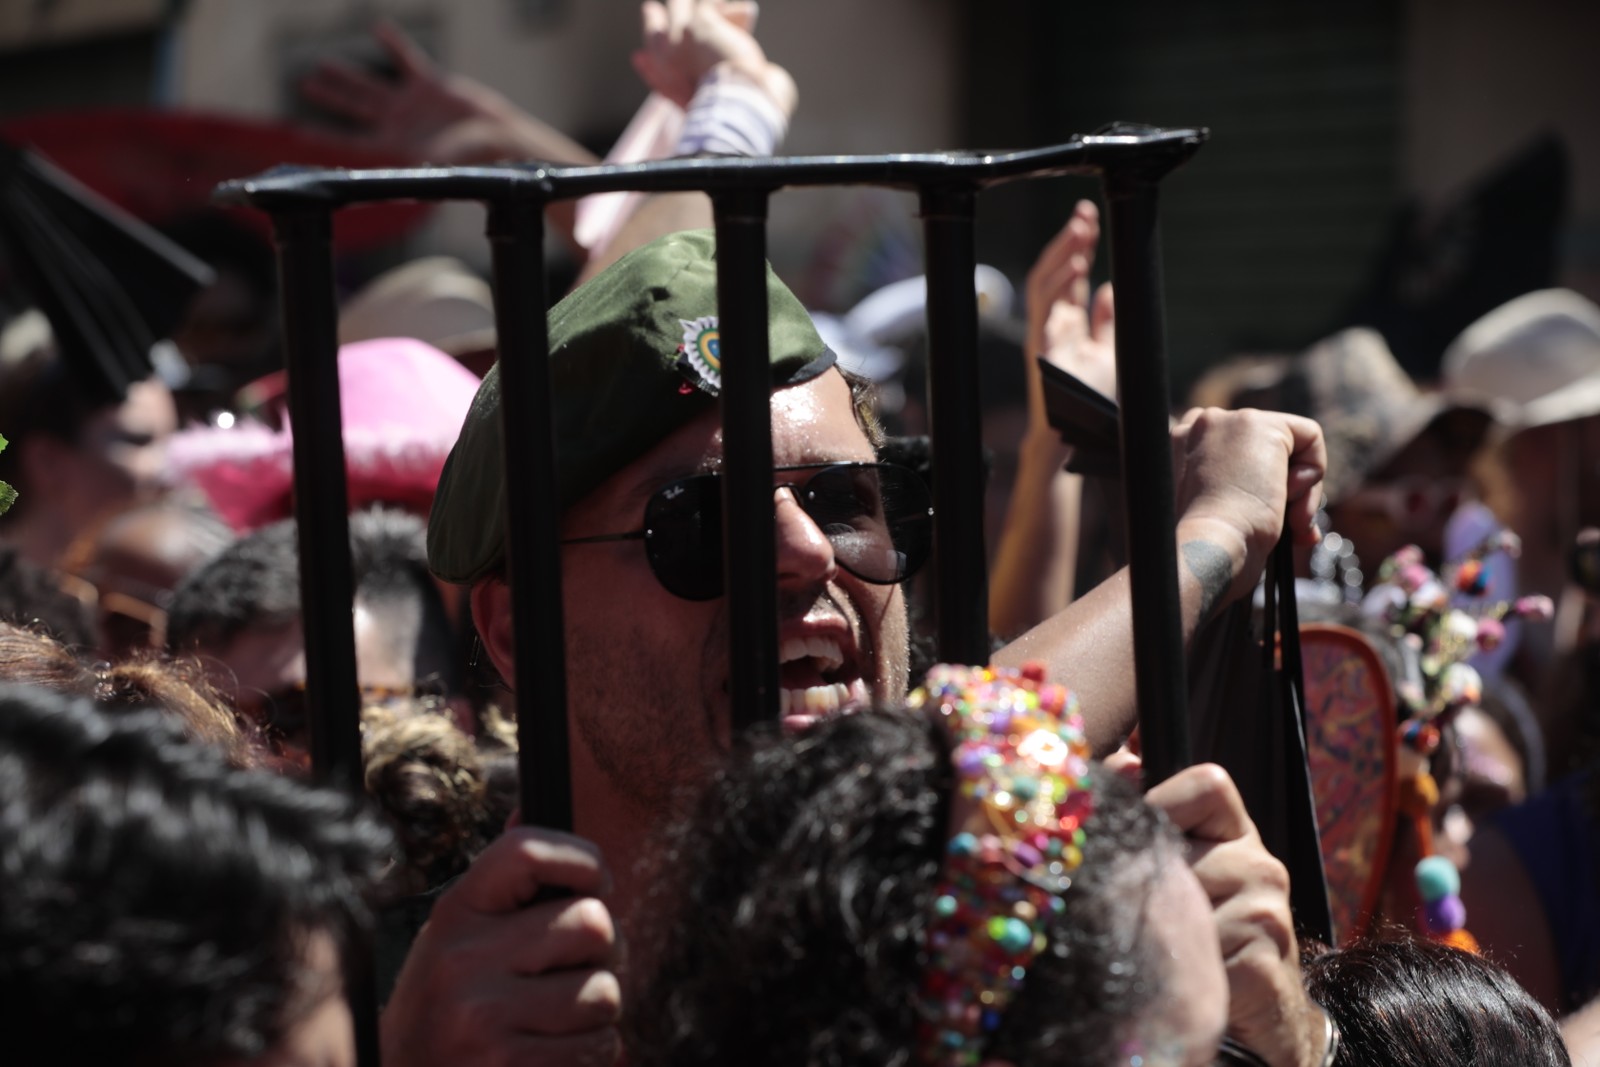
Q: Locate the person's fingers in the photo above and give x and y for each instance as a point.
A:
(654, 23)
(1103, 316)
(568, 1002)
(347, 91)
(742, 13)
(1125, 764)
(560, 935)
(1066, 325)
(408, 56)
(1187, 420)
(680, 13)
(1204, 804)
(516, 865)
(597, 1048)
(1051, 263)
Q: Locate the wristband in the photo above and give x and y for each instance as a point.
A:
(730, 116)
(1232, 1052)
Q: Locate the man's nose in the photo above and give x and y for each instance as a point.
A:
(805, 555)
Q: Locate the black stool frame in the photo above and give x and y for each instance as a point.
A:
(1130, 161)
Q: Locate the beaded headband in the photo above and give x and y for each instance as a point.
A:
(1022, 798)
(1424, 610)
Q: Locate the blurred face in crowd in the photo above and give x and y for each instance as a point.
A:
(119, 454)
(647, 671)
(264, 670)
(1411, 498)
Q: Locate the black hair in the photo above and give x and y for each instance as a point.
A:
(31, 597)
(158, 904)
(1410, 1002)
(797, 900)
(254, 583)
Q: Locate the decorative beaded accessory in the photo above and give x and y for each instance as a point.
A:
(1022, 799)
(1418, 606)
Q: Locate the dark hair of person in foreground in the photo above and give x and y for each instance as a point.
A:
(798, 896)
(159, 906)
(1410, 1002)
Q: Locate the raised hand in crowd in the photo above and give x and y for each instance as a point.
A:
(1269, 1012)
(684, 40)
(496, 978)
(1032, 575)
(431, 115)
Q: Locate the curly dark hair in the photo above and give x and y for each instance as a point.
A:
(798, 896)
(159, 904)
(1404, 1001)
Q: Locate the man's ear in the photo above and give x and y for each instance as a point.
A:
(491, 614)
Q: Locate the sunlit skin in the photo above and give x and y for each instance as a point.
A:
(69, 488)
(647, 672)
(323, 1031)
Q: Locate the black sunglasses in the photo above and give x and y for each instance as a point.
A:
(878, 517)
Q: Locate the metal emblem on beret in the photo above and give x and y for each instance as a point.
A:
(700, 355)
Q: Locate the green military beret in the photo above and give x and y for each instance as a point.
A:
(634, 354)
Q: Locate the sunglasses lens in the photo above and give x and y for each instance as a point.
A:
(683, 537)
(877, 517)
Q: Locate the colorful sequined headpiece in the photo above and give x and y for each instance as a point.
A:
(1021, 763)
(1442, 621)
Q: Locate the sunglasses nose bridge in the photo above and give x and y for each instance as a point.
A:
(804, 553)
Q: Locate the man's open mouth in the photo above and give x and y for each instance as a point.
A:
(818, 679)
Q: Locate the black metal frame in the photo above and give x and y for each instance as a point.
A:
(1131, 161)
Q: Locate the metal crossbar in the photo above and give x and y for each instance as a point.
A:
(1130, 161)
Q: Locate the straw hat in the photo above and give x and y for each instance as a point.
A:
(1541, 352)
(435, 299)
(1368, 407)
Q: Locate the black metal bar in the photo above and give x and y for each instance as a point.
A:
(1308, 882)
(960, 565)
(1158, 655)
(533, 511)
(1151, 149)
(750, 559)
(321, 505)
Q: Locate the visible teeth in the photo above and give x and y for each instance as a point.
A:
(815, 700)
(824, 650)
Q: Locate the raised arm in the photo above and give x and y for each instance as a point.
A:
(1038, 547)
(1237, 473)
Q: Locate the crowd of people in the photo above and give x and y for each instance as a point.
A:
(919, 863)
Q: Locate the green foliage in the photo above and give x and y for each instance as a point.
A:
(8, 495)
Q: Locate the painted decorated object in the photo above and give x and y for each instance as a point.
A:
(1350, 723)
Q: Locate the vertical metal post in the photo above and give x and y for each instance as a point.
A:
(750, 560)
(321, 505)
(960, 565)
(1147, 476)
(533, 511)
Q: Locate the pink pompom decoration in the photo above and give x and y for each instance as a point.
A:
(1491, 632)
(1411, 576)
(1537, 608)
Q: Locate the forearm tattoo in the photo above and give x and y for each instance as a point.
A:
(1212, 567)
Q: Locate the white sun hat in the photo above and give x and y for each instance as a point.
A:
(1540, 352)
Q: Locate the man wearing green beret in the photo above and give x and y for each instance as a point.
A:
(635, 370)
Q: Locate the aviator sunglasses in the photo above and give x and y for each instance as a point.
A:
(878, 517)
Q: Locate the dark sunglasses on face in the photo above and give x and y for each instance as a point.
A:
(878, 517)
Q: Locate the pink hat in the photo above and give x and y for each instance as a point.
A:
(403, 402)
